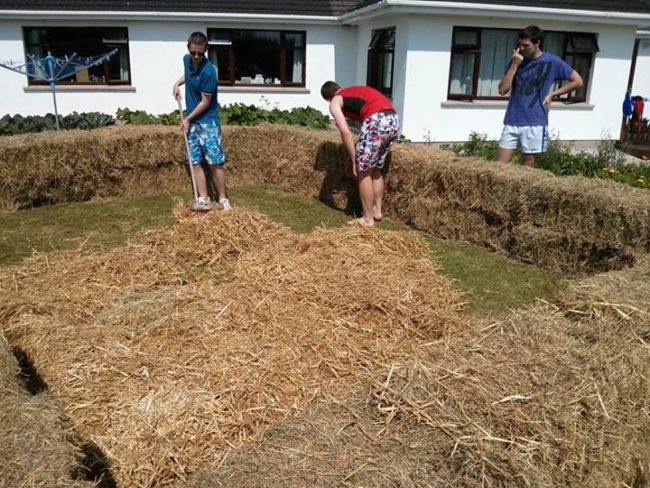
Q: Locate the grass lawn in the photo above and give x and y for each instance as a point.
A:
(494, 282)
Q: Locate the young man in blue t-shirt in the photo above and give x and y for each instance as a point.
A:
(529, 79)
(201, 121)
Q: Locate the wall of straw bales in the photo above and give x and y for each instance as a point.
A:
(571, 224)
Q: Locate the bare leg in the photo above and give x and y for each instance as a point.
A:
(378, 193)
(366, 194)
(201, 184)
(219, 179)
(504, 155)
(529, 160)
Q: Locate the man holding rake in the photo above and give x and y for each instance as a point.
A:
(201, 125)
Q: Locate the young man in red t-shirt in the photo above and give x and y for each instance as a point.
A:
(379, 128)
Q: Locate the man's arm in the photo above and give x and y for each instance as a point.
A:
(506, 82)
(198, 110)
(176, 90)
(336, 109)
(575, 81)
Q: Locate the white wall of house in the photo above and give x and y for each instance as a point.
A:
(421, 74)
(641, 83)
(156, 50)
(429, 116)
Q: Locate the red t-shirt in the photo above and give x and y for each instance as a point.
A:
(360, 102)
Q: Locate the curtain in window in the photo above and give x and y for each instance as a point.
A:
(554, 43)
(462, 72)
(496, 52)
(297, 66)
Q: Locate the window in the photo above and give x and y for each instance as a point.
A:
(480, 57)
(258, 57)
(381, 60)
(84, 42)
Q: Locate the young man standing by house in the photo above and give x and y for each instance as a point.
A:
(201, 123)
(529, 79)
(379, 128)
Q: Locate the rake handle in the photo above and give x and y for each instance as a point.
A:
(187, 150)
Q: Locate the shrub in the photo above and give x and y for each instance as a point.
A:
(17, 124)
(136, 117)
(560, 159)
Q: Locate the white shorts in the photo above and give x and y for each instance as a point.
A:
(532, 139)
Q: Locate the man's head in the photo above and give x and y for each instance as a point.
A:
(329, 89)
(197, 45)
(529, 41)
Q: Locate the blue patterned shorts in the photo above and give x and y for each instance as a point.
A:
(204, 139)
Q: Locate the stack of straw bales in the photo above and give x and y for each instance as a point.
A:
(194, 338)
(571, 224)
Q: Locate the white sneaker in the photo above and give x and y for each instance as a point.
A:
(202, 204)
(225, 204)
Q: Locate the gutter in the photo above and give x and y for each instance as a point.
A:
(394, 7)
(202, 17)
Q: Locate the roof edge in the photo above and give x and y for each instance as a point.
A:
(159, 15)
(482, 10)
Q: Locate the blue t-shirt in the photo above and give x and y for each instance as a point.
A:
(203, 79)
(531, 84)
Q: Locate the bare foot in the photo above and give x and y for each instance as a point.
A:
(362, 222)
(378, 218)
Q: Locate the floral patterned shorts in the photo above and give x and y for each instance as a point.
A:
(204, 139)
(377, 134)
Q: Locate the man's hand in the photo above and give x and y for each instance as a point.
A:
(185, 125)
(517, 57)
(547, 101)
(176, 92)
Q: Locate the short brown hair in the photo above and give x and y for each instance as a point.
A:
(329, 89)
(198, 39)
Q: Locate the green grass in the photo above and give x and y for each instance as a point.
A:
(93, 225)
(494, 283)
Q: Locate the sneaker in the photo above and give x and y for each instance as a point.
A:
(225, 204)
(202, 204)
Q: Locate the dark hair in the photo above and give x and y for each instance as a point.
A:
(532, 32)
(198, 39)
(329, 89)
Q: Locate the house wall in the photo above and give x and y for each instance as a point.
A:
(421, 72)
(427, 114)
(641, 83)
(156, 50)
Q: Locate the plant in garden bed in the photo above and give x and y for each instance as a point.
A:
(17, 124)
(561, 160)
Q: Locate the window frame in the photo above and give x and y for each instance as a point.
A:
(374, 77)
(232, 62)
(106, 40)
(475, 49)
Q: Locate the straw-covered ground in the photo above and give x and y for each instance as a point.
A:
(571, 224)
(36, 443)
(227, 350)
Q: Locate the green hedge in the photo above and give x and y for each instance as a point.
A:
(235, 114)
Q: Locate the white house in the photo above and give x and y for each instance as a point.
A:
(440, 61)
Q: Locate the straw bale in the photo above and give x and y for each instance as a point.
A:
(534, 400)
(47, 168)
(36, 447)
(195, 337)
(571, 224)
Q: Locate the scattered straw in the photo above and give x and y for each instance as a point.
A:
(193, 338)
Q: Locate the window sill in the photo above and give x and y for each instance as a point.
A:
(80, 88)
(490, 104)
(263, 89)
